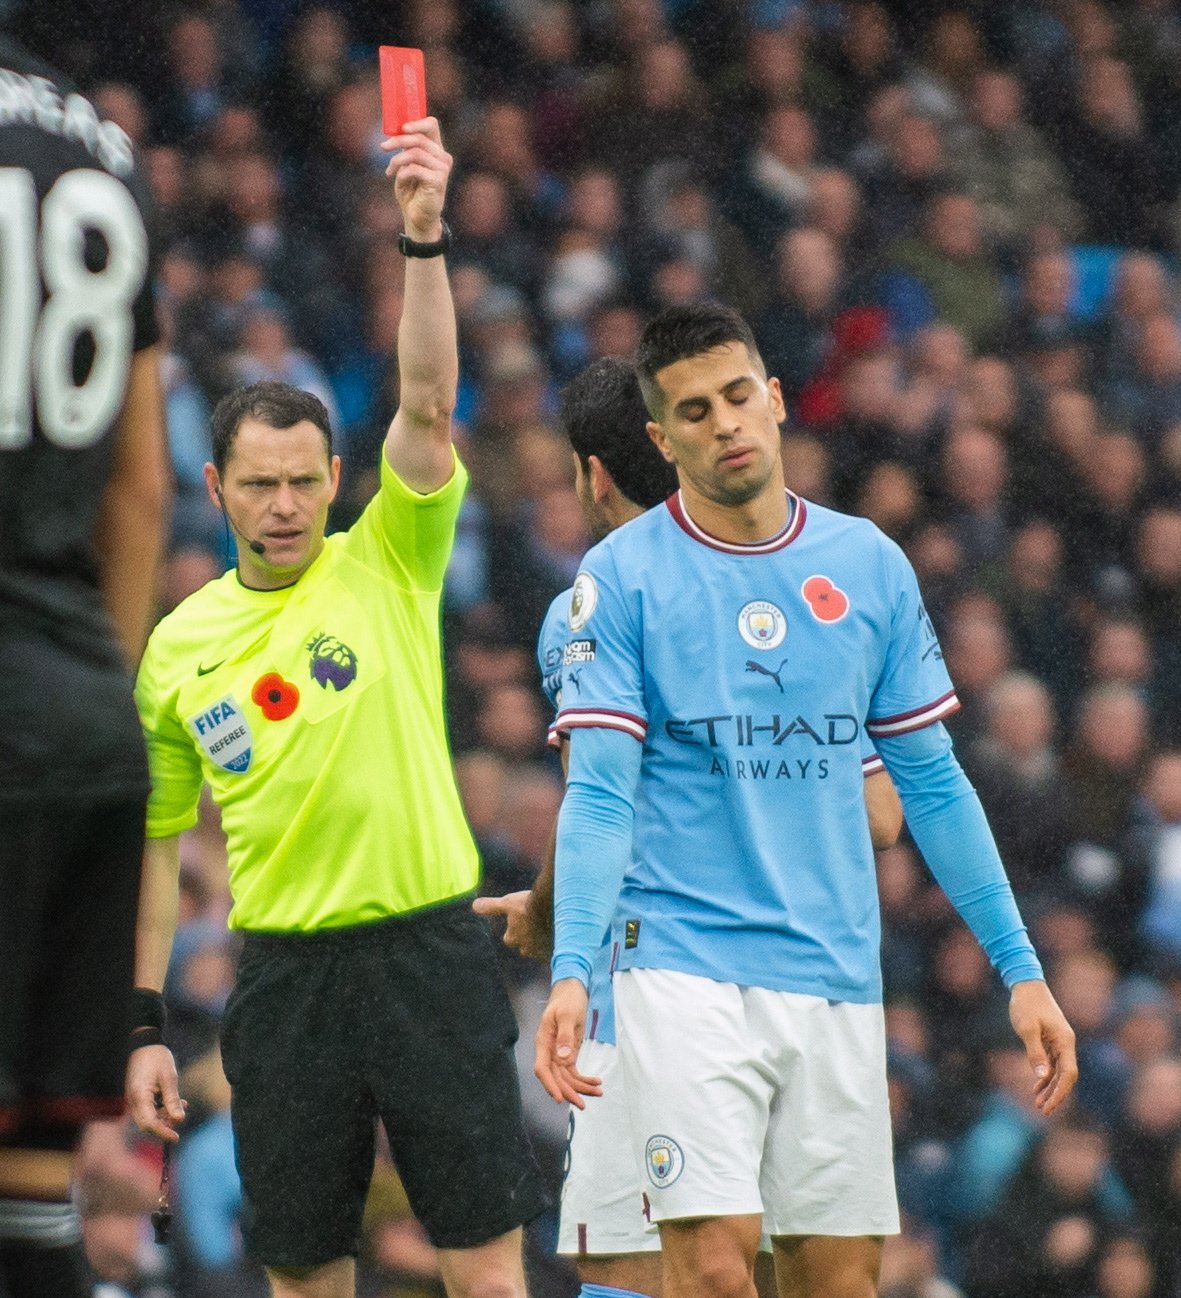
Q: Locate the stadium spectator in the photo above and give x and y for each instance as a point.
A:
(1109, 157)
(1047, 1230)
(1015, 770)
(1086, 981)
(795, 332)
(900, 185)
(1009, 169)
(775, 188)
(197, 80)
(1161, 845)
(1139, 292)
(941, 79)
(973, 491)
(864, 62)
(1146, 1142)
(946, 273)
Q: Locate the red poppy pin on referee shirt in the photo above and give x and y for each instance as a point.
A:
(277, 698)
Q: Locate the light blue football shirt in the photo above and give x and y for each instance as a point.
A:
(752, 675)
(560, 658)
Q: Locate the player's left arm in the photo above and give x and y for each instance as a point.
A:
(948, 824)
(132, 522)
(910, 698)
(418, 444)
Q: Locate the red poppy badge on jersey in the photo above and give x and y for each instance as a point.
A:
(277, 698)
(828, 602)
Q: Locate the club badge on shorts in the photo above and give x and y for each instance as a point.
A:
(664, 1160)
(224, 735)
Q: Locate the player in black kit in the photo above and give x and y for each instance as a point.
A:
(83, 498)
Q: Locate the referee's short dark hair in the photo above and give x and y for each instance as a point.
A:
(682, 331)
(602, 413)
(278, 405)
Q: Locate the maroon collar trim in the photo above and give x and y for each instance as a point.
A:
(797, 513)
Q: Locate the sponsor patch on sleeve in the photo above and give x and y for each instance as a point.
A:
(578, 651)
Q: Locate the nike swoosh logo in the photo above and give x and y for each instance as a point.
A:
(204, 671)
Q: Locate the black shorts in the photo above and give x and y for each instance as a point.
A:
(69, 889)
(407, 1020)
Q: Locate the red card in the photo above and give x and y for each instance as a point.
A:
(403, 87)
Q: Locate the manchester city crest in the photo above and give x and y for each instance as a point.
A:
(664, 1160)
(762, 624)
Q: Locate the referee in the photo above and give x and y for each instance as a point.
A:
(306, 688)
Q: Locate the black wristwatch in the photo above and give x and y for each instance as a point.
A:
(412, 248)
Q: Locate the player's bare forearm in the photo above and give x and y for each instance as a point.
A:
(418, 445)
(159, 903)
(884, 808)
(539, 914)
(132, 523)
(521, 924)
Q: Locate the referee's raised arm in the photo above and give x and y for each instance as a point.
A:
(418, 444)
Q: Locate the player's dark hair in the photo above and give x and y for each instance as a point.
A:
(278, 405)
(683, 331)
(602, 413)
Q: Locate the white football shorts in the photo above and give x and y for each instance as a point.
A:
(603, 1205)
(745, 1100)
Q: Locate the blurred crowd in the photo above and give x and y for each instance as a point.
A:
(956, 230)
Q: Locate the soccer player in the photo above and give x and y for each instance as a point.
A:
(306, 688)
(619, 473)
(83, 502)
(743, 640)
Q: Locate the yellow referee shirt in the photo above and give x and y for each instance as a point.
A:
(316, 715)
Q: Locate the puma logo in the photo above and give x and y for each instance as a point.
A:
(752, 666)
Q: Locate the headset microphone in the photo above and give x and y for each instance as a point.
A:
(256, 546)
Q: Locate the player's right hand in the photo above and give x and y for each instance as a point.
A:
(153, 1096)
(516, 909)
(559, 1034)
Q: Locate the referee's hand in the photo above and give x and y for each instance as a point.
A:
(555, 1059)
(153, 1097)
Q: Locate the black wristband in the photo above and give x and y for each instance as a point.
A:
(149, 1017)
(409, 247)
